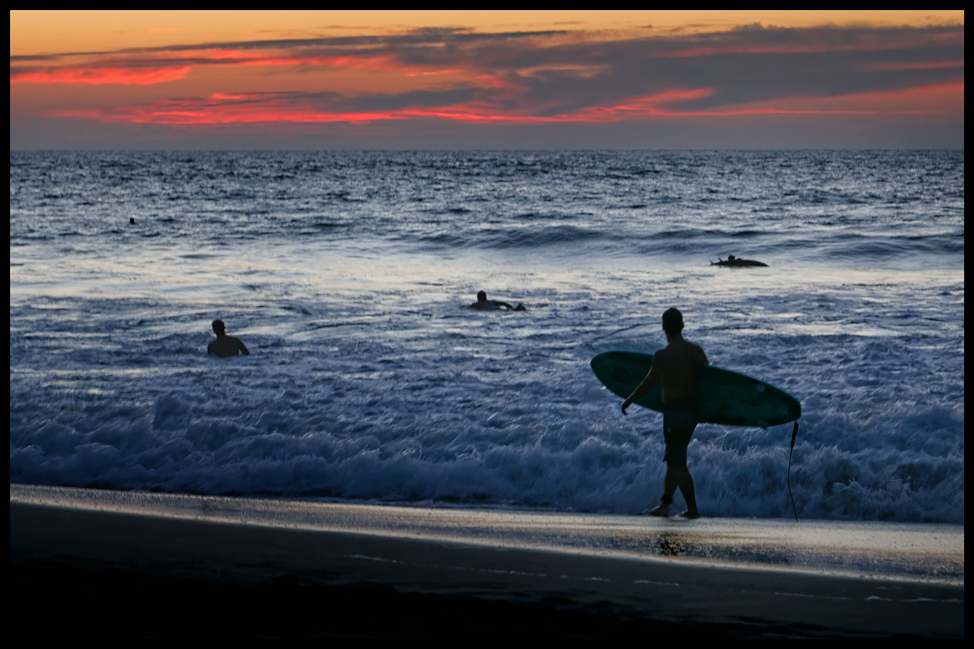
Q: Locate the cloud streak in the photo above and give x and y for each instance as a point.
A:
(284, 108)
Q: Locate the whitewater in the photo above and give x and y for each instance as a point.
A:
(348, 275)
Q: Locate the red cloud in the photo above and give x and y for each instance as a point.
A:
(271, 108)
(144, 72)
(276, 108)
(101, 75)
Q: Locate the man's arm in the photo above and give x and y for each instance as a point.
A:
(243, 347)
(703, 356)
(652, 378)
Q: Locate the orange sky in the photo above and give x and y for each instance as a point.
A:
(461, 79)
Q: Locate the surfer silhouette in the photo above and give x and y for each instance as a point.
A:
(483, 304)
(225, 345)
(676, 367)
(736, 261)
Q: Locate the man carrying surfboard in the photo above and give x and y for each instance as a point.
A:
(676, 367)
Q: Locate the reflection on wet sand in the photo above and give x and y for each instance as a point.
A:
(900, 551)
(673, 545)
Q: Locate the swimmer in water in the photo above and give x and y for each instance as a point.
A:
(225, 345)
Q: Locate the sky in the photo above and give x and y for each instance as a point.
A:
(108, 80)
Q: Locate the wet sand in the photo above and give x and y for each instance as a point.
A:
(95, 563)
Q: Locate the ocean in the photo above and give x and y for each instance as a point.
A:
(348, 276)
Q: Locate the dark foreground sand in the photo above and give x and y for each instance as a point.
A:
(123, 564)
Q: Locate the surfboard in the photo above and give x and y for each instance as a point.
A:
(723, 396)
(738, 262)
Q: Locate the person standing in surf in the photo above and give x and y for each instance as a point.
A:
(676, 367)
(225, 345)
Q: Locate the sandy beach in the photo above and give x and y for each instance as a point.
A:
(88, 563)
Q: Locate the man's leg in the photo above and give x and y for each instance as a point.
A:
(677, 474)
(671, 481)
(677, 477)
(684, 481)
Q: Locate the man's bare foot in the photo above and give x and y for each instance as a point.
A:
(690, 515)
(660, 510)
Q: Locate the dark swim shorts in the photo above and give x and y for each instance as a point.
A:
(678, 426)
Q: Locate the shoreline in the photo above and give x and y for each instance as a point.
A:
(397, 570)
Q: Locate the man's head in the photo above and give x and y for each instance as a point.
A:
(219, 328)
(482, 296)
(672, 322)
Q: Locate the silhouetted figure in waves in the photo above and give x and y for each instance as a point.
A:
(225, 345)
(736, 261)
(483, 304)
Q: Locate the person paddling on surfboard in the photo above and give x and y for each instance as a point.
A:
(225, 345)
(676, 366)
(483, 304)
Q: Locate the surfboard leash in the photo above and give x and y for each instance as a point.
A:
(794, 434)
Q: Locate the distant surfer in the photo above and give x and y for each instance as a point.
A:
(131, 220)
(483, 304)
(676, 366)
(225, 345)
(736, 261)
